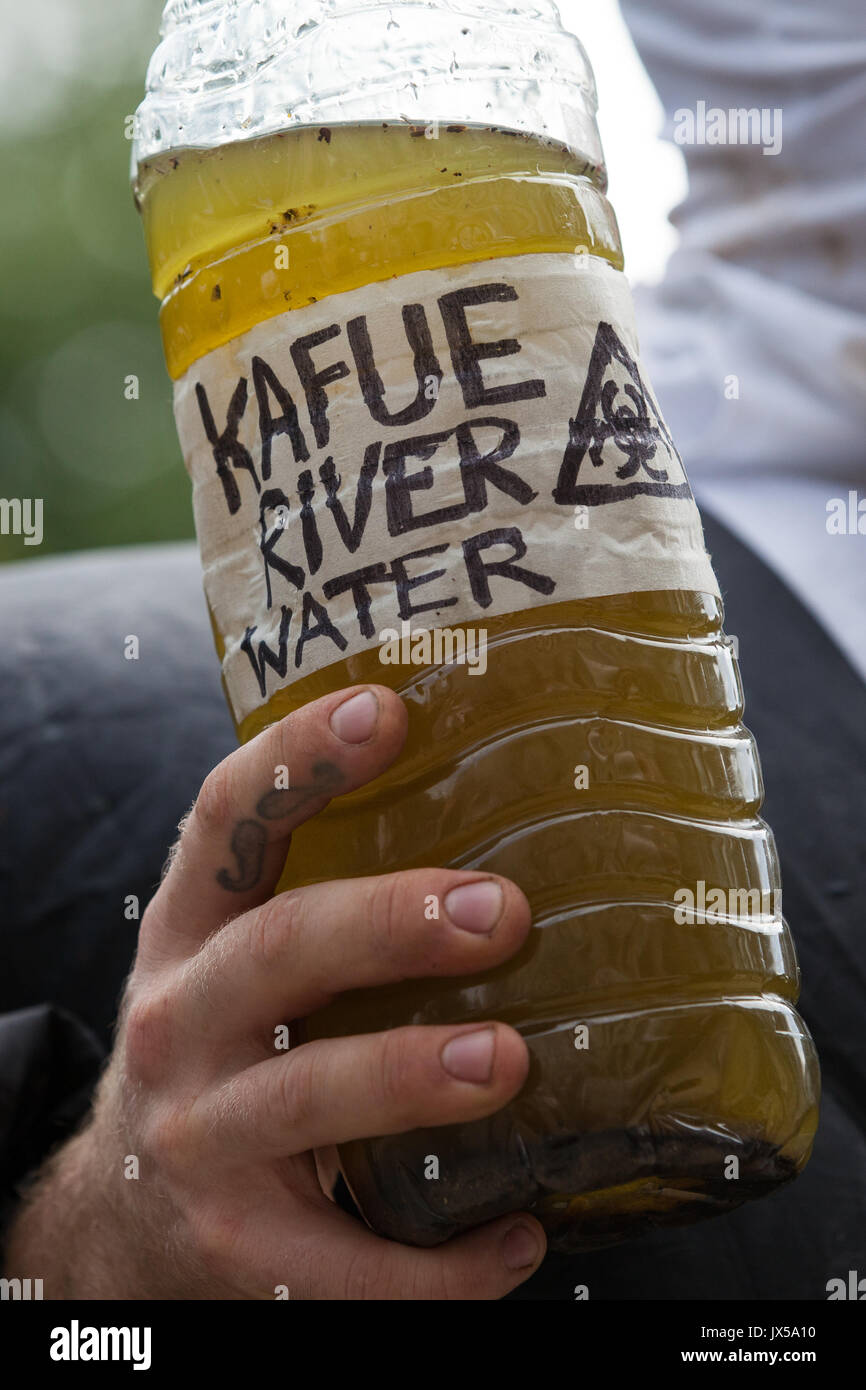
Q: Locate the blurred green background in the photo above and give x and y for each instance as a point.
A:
(76, 309)
(77, 315)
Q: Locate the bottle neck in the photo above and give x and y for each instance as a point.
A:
(231, 70)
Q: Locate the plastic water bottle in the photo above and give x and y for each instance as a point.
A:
(424, 452)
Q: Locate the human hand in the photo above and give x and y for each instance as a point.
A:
(222, 1129)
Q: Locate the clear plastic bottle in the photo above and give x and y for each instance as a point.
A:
(409, 394)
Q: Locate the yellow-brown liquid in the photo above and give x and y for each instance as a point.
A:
(698, 1086)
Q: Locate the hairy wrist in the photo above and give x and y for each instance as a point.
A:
(76, 1229)
(61, 1216)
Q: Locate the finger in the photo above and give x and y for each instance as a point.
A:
(318, 1252)
(483, 1265)
(338, 1089)
(291, 956)
(234, 842)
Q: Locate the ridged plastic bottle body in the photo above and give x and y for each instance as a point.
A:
(670, 1075)
(694, 1085)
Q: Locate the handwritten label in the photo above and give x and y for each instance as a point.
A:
(418, 450)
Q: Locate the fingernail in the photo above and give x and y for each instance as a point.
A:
(355, 720)
(475, 907)
(520, 1248)
(469, 1057)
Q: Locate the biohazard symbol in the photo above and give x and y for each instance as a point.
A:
(616, 408)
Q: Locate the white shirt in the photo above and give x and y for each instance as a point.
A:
(755, 342)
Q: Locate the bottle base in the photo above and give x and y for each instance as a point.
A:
(587, 1190)
(675, 1180)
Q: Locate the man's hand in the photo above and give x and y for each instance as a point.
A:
(222, 1127)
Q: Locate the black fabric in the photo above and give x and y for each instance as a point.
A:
(101, 756)
(48, 1063)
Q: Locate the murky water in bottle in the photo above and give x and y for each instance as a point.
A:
(671, 1077)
